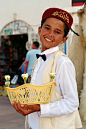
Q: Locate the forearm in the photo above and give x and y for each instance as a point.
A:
(26, 65)
(58, 108)
(22, 65)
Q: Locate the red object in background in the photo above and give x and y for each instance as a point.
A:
(78, 4)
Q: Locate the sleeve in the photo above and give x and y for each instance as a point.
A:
(27, 56)
(66, 84)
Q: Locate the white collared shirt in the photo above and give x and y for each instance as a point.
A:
(66, 86)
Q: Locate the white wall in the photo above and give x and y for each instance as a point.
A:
(29, 11)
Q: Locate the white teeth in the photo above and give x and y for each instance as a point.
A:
(48, 40)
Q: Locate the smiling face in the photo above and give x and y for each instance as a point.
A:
(52, 33)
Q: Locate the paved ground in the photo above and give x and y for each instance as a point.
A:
(9, 118)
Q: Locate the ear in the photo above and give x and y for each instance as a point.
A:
(39, 30)
(64, 39)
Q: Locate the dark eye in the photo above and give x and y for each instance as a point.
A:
(47, 28)
(57, 32)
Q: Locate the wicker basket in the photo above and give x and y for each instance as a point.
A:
(31, 94)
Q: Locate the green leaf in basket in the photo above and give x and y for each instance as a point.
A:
(52, 77)
(38, 99)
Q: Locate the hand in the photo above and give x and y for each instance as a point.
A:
(20, 68)
(26, 109)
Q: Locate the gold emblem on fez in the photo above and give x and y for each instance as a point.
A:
(61, 14)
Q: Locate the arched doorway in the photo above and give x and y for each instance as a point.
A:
(12, 49)
(16, 27)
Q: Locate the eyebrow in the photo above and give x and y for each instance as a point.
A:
(50, 26)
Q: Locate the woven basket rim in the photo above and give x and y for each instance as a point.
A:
(28, 84)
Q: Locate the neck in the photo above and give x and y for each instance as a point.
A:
(34, 48)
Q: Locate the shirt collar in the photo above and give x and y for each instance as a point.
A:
(50, 50)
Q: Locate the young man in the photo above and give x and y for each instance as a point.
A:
(59, 113)
(31, 58)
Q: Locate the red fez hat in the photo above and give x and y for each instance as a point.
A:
(59, 14)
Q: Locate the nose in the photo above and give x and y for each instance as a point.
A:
(51, 33)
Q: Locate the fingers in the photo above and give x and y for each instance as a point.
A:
(26, 109)
(27, 106)
(15, 105)
(23, 111)
(34, 108)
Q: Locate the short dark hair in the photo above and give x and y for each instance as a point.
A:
(36, 43)
(66, 30)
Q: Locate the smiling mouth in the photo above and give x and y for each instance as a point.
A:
(48, 40)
